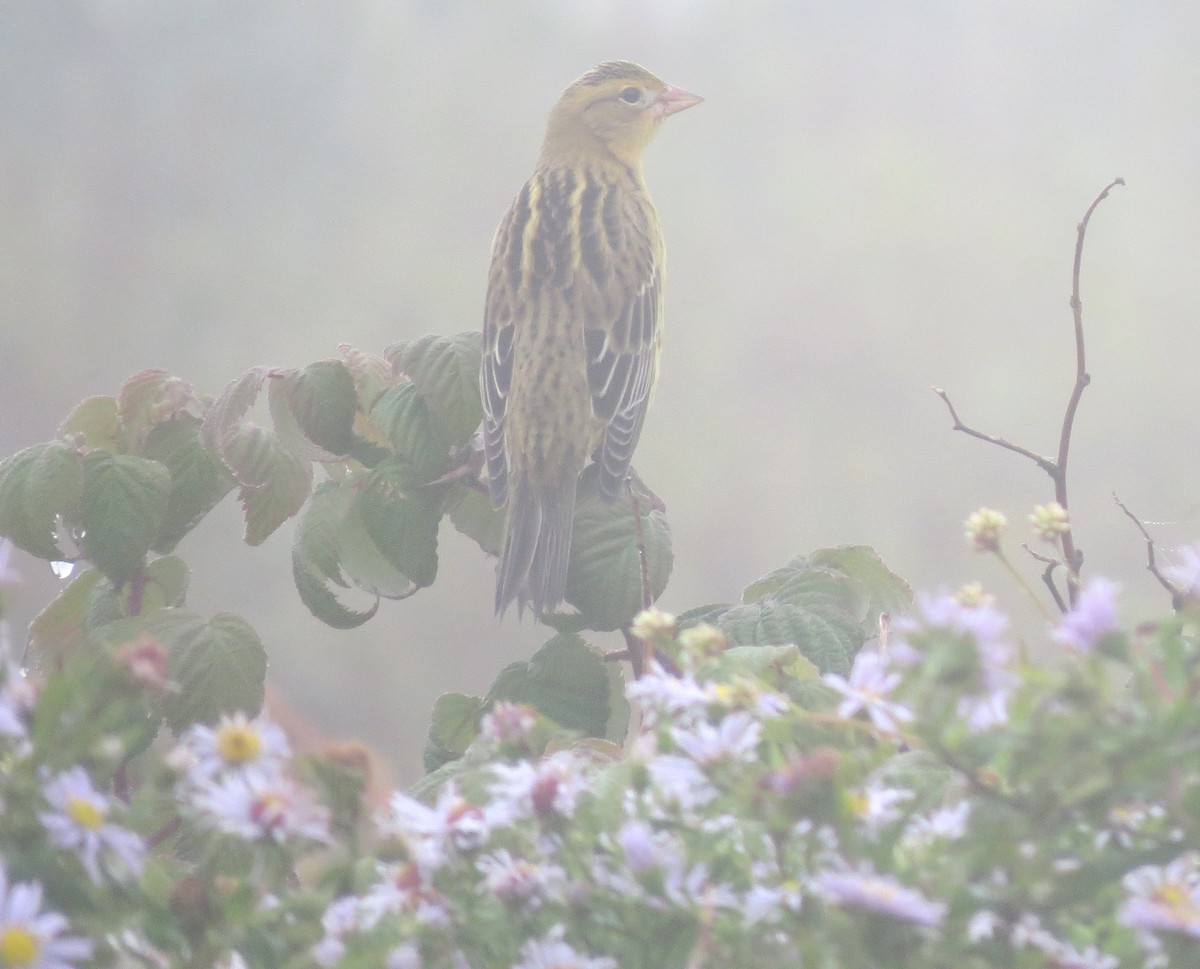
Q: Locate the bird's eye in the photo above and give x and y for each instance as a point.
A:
(631, 95)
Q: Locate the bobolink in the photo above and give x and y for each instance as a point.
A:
(573, 323)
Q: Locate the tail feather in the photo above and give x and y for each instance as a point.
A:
(537, 546)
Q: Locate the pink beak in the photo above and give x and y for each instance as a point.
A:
(673, 100)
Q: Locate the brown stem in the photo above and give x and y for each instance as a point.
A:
(1151, 560)
(1072, 555)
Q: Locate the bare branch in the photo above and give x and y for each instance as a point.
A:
(1044, 463)
(1048, 575)
(1151, 560)
(1072, 555)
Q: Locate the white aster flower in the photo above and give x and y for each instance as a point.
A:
(868, 689)
(546, 788)
(552, 952)
(431, 834)
(1165, 899)
(262, 806)
(31, 938)
(79, 823)
(677, 784)
(518, 881)
(735, 738)
(879, 805)
(864, 889)
(944, 824)
(236, 745)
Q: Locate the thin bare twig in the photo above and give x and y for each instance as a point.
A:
(1048, 575)
(1151, 560)
(1071, 553)
(1042, 462)
(1057, 467)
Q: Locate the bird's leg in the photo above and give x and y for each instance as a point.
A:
(470, 467)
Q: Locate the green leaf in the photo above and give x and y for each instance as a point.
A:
(619, 710)
(402, 520)
(473, 515)
(281, 482)
(37, 485)
(454, 725)
(445, 370)
(58, 630)
(372, 375)
(164, 584)
(316, 557)
(701, 614)
(198, 480)
(223, 419)
(146, 400)
(219, 664)
(830, 642)
(413, 432)
(565, 680)
(314, 410)
(771, 663)
(850, 580)
(95, 419)
(604, 581)
(124, 501)
(882, 591)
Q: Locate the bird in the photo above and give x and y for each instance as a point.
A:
(572, 323)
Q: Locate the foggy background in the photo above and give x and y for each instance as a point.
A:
(876, 197)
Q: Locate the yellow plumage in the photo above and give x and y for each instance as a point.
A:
(573, 321)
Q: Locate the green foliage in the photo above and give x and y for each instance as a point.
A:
(395, 437)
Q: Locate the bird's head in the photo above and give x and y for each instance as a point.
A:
(616, 106)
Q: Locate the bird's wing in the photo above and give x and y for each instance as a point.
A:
(495, 375)
(622, 359)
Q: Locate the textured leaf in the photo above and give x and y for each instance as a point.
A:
(146, 399)
(314, 410)
(445, 370)
(565, 680)
(402, 520)
(164, 585)
(473, 515)
(282, 482)
(604, 581)
(372, 374)
(454, 725)
(619, 710)
(882, 590)
(850, 580)
(37, 485)
(96, 420)
(694, 617)
(124, 501)
(829, 642)
(223, 421)
(58, 630)
(411, 429)
(219, 665)
(316, 557)
(198, 480)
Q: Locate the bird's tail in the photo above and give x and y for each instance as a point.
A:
(537, 545)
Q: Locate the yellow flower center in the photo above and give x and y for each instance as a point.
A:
(238, 744)
(1177, 900)
(84, 813)
(18, 946)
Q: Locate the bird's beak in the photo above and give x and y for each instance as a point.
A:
(673, 100)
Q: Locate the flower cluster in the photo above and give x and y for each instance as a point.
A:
(934, 799)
